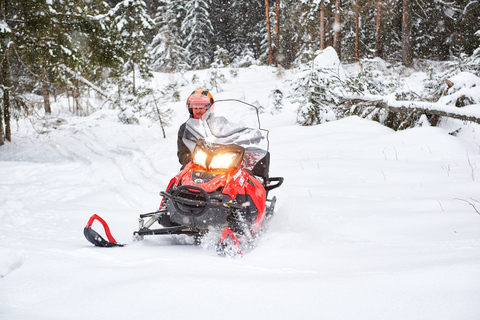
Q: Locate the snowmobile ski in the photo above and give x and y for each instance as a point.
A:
(97, 239)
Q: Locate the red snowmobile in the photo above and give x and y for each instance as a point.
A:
(224, 188)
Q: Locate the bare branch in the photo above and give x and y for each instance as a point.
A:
(473, 206)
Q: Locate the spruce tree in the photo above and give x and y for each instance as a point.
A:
(198, 32)
(249, 29)
(166, 50)
(133, 22)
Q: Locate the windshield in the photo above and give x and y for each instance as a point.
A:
(232, 122)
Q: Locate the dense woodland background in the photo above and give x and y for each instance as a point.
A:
(75, 47)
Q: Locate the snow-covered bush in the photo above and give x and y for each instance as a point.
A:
(315, 93)
(170, 92)
(321, 90)
(318, 89)
(220, 57)
(128, 114)
(463, 89)
(376, 78)
(246, 60)
(276, 101)
(215, 77)
(151, 104)
(372, 78)
(436, 86)
(325, 92)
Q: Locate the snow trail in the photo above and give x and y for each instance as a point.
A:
(368, 224)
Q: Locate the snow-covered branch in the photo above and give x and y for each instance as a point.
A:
(86, 82)
(465, 113)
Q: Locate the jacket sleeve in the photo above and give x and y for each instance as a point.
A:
(183, 153)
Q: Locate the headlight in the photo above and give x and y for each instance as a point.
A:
(200, 158)
(218, 157)
(223, 160)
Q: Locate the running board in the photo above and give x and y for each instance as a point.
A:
(167, 230)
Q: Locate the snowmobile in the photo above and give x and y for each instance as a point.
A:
(224, 188)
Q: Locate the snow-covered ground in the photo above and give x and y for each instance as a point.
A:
(370, 223)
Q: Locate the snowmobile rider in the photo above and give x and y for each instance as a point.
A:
(199, 105)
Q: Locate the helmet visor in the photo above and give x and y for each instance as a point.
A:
(199, 105)
(198, 110)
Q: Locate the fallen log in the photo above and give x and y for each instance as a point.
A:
(415, 106)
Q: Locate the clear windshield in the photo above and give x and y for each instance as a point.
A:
(232, 122)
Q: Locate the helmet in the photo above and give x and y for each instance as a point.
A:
(200, 97)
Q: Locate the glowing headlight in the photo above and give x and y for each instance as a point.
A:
(218, 157)
(223, 160)
(200, 158)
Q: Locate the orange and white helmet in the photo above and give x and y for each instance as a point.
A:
(200, 98)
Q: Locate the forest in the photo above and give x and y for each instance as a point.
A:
(75, 48)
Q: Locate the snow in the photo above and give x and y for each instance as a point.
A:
(463, 80)
(4, 27)
(328, 61)
(464, 85)
(370, 223)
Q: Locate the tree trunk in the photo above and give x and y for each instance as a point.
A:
(6, 132)
(46, 92)
(159, 114)
(133, 71)
(6, 114)
(277, 27)
(322, 25)
(337, 29)
(3, 81)
(2, 131)
(357, 30)
(407, 55)
(269, 37)
(379, 30)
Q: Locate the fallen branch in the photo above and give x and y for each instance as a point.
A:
(415, 106)
(88, 83)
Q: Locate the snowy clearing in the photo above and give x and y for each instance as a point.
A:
(370, 223)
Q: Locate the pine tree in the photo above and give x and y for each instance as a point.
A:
(225, 24)
(445, 28)
(166, 50)
(247, 18)
(42, 38)
(133, 21)
(96, 35)
(95, 57)
(466, 37)
(301, 34)
(198, 32)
